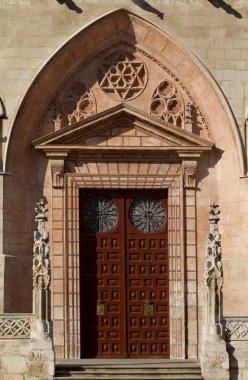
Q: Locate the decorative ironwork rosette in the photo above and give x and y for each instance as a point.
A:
(147, 215)
(99, 214)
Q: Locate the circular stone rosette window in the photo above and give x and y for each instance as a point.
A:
(123, 77)
(99, 214)
(147, 215)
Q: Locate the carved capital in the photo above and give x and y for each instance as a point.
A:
(57, 170)
(189, 174)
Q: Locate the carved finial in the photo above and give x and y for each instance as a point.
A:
(41, 249)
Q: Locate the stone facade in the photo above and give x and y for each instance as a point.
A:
(136, 97)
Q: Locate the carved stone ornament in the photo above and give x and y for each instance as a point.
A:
(236, 329)
(77, 103)
(57, 170)
(41, 250)
(167, 104)
(189, 173)
(123, 76)
(213, 265)
(214, 357)
(14, 328)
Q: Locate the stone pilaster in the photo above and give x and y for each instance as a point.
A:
(191, 338)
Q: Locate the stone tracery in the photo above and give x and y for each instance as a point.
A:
(123, 77)
(167, 104)
(76, 103)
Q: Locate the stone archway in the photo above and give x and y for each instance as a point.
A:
(172, 102)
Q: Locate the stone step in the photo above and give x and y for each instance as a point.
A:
(128, 369)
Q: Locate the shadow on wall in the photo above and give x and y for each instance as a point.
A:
(204, 164)
(149, 8)
(234, 366)
(71, 5)
(228, 8)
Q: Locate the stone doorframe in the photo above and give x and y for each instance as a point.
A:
(182, 253)
(78, 162)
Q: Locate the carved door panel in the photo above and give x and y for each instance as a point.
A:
(147, 275)
(101, 254)
(123, 274)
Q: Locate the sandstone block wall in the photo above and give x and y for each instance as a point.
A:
(31, 31)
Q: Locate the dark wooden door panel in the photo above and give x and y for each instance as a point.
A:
(100, 278)
(147, 276)
(124, 281)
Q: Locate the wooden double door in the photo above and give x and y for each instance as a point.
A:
(124, 276)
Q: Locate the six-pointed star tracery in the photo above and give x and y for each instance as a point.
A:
(124, 78)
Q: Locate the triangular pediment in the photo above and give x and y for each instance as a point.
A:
(121, 128)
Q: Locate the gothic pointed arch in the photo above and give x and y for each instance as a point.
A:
(120, 86)
(135, 37)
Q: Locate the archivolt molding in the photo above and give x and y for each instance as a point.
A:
(84, 49)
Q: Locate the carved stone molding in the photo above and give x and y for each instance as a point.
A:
(189, 174)
(236, 329)
(17, 328)
(57, 170)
